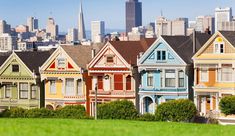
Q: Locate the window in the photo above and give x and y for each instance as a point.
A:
(61, 62)
(100, 82)
(110, 59)
(118, 82)
(23, 90)
(204, 75)
(7, 91)
(181, 78)
(226, 73)
(69, 87)
(149, 79)
(33, 91)
(161, 55)
(170, 78)
(128, 82)
(15, 68)
(79, 85)
(52, 87)
(219, 48)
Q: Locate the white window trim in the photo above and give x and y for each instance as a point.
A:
(220, 76)
(219, 47)
(161, 54)
(150, 73)
(52, 93)
(183, 78)
(207, 76)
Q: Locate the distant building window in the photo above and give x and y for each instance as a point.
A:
(149, 79)
(170, 78)
(23, 90)
(7, 91)
(181, 78)
(15, 68)
(161, 55)
(52, 87)
(204, 75)
(110, 59)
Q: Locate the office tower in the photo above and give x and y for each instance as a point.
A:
(52, 28)
(4, 27)
(7, 42)
(97, 31)
(163, 26)
(32, 23)
(133, 14)
(205, 23)
(72, 35)
(226, 26)
(222, 15)
(81, 25)
(179, 26)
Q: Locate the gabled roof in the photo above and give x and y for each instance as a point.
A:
(3, 57)
(183, 45)
(34, 59)
(229, 35)
(81, 54)
(131, 49)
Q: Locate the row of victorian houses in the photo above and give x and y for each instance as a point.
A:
(200, 67)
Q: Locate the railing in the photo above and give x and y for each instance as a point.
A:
(112, 92)
(163, 89)
(74, 97)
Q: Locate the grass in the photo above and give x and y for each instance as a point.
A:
(67, 127)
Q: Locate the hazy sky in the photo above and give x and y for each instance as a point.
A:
(112, 12)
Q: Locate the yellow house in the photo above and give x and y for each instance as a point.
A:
(64, 76)
(214, 72)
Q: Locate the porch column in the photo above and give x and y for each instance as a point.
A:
(63, 86)
(211, 102)
(195, 76)
(124, 81)
(163, 78)
(154, 105)
(18, 90)
(29, 90)
(176, 78)
(94, 82)
(75, 86)
(217, 102)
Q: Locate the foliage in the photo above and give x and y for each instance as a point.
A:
(117, 110)
(40, 113)
(147, 117)
(71, 111)
(227, 105)
(181, 110)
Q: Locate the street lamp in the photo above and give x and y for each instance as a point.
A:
(96, 88)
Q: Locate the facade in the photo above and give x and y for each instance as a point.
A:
(20, 79)
(7, 42)
(52, 29)
(137, 33)
(97, 31)
(4, 27)
(114, 72)
(205, 23)
(32, 24)
(81, 25)
(214, 72)
(72, 35)
(166, 70)
(65, 77)
(133, 14)
(222, 15)
(226, 26)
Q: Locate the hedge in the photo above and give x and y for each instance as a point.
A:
(227, 105)
(117, 110)
(77, 112)
(147, 117)
(181, 110)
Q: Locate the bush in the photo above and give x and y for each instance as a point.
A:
(227, 105)
(40, 113)
(182, 110)
(70, 111)
(117, 110)
(16, 113)
(147, 117)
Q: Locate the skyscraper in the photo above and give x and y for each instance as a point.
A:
(222, 15)
(52, 28)
(204, 23)
(4, 27)
(72, 35)
(97, 31)
(32, 23)
(133, 14)
(81, 25)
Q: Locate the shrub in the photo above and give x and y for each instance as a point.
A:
(17, 113)
(70, 111)
(227, 105)
(40, 113)
(5, 113)
(117, 110)
(181, 110)
(147, 117)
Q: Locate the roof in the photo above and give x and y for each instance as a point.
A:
(131, 49)
(183, 45)
(229, 35)
(81, 54)
(34, 59)
(3, 57)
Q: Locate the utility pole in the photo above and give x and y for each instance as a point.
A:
(96, 88)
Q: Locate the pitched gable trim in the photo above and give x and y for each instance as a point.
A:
(100, 54)
(4, 65)
(208, 44)
(153, 46)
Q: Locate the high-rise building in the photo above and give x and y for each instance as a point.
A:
(205, 23)
(81, 25)
(133, 14)
(226, 26)
(222, 15)
(72, 35)
(97, 31)
(7, 42)
(32, 23)
(4, 27)
(163, 26)
(51, 28)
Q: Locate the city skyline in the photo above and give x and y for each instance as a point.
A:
(61, 9)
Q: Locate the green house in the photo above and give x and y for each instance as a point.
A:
(20, 84)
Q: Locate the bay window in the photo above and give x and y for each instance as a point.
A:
(23, 90)
(170, 78)
(181, 78)
(69, 87)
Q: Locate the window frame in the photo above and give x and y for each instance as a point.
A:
(12, 68)
(32, 89)
(166, 71)
(22, 90)
(217, 50)
(52, 92)
(150, 75)
(207, 73)
(220, 72)
(160, 52)
(5, 90)
(73, 92)
(179, 78)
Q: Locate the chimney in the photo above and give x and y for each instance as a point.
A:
(194, 41)
(92, 53)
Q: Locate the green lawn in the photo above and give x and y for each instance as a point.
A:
(66, 127)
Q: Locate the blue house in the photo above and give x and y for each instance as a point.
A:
(166, 70)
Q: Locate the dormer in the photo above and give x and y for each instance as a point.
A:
(219, 45)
